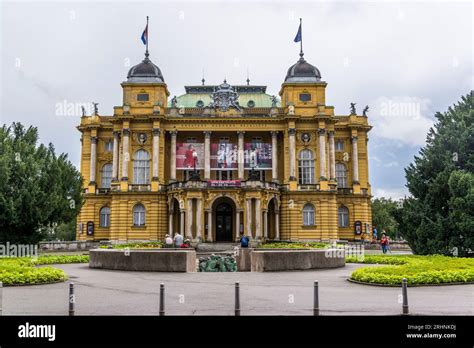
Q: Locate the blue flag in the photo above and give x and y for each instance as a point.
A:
(299, 35)
(145, 35)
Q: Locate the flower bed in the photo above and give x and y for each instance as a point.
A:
(294, 245)
(137, 245)
(22, 271)
(417, 269)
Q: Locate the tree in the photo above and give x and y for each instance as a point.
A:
(439, 217)
(37, 188)
(383, 211)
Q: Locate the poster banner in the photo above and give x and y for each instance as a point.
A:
(224, 156)
(185, 155)
(258, 155)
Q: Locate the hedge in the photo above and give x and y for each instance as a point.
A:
(23, 271)
(418, 270)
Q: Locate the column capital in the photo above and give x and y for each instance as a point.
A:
(291, 131)
(331, 133)
(241, 133)
(94, 140)
(321, 131)
(126, 131)
(116, 133)
(274, 133)
(207, 133)
(354, 138)
(156, 131)
(173, 132)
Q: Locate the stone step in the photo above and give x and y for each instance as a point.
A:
(215, 247)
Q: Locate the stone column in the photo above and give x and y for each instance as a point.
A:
(199, 218)
(189, 220)
(322, 154)
(265, 224)
(170, 223)
(258, 219)
(249, 217)
(292, 143)
(209, 225)
(207, 155)
(115, 157)
(355, 160)
(126, 153)
(173, 156)
(93, 160)
(156, 153)
(181, 222)
(332, 156)
(241, 159)
(274, 156)
(277, 225)
(237, 225)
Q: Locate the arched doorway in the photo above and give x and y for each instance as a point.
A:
(224, 221)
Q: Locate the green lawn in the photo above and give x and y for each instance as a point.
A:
(294, 245)
(24, 271)
(417, 269)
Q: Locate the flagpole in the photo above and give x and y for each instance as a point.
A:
(301, 41)
(147, 37)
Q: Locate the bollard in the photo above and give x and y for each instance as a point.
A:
(1, 297)
(405, 296)
(162, 299)
(72, 299)
(316, 299)
(237, 299)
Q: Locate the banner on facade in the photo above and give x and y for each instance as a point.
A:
(224, 156)
(187, 154)
(223, 183)
(258, 155)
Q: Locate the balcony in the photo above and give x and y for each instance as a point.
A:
(222, 184)
(309, 187)
(102, 190)
(344, 190)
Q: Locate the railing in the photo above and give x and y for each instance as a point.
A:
(344, 190)
(102, 190)
(309, 187)
(220, 184)
(139, 187)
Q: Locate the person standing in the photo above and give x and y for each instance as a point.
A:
(178, 240)
(374, 233)
(384, 243)
(244, 241)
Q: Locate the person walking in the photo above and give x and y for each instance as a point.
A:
(178, 240)
(384, 243)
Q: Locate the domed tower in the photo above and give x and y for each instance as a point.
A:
(303, 88)
(145, 88)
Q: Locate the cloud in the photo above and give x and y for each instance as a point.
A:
(391, 164)
(405, 119)
(394, 193)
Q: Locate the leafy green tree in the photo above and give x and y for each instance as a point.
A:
(439, 217)
(383, 211)
(37, 188)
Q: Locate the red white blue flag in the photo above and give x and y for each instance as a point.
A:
(145, 35)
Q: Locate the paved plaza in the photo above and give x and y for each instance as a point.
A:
(104, 292)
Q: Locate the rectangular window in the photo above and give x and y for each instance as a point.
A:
(143, 97)
(339, 145)
(306, 172)
(305, 97)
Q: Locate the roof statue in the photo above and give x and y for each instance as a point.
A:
(224, 98)
(353, 109)
(365, 111)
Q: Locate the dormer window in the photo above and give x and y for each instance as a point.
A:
(143, 97)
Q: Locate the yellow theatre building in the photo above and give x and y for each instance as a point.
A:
(224, 160)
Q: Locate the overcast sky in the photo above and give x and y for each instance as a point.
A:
(406, 60)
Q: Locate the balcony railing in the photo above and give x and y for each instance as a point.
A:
(309, 187)
(139, 187)
(344, 190)
(220, 184)
(102, 190)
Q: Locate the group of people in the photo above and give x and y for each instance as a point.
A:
(177, 242)
(384, 240)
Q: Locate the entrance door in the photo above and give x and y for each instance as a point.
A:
(224, 222)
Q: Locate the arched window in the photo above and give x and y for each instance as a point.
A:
(308, 215)
(139, 215)
(105, 217)
(341, 175)
(141, 168)
(106, 175)
(306, 167)
(343, 216)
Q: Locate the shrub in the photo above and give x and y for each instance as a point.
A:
(434, 269)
